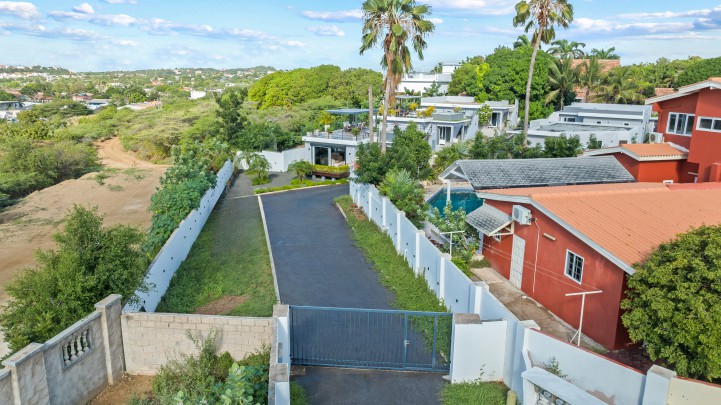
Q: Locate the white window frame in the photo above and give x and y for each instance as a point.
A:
(566, 267)
(713, 120)
(497, 238)
(685, 124)
(441, 136)
(498, 121)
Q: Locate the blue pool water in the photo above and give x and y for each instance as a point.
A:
(460, 198)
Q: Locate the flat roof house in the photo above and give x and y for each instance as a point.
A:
(554, 241)
(421, 82)
(691, 118)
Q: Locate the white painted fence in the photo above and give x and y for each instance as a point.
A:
(177, 247)
(279, 161)
(478, 342)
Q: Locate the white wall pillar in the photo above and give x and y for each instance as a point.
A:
(445, 257)
(470, 360)
(417, 264)
(384, 212)
(370, 205)
(475, 297)
(399, 215)
(658, 384)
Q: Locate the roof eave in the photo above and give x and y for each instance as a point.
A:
(528, 200)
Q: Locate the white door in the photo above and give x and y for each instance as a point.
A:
(519, 249)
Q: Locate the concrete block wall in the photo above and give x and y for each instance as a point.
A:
(177, 247)
(150, 339)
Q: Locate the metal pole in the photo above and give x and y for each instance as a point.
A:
(583, 304)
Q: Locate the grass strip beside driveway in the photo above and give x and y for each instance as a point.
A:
(411, 292)
(228, 269)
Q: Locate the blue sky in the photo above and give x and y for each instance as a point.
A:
(97, 35)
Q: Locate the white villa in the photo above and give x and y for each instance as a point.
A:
(9, 110)
(612, 124)
(421, 82)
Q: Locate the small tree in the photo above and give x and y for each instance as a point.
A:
(90, 263)
(411, 151)
(302, 169)
(405, 193)
(465, 243)
(673, 304)
(594, 143)
(258, 168)
(372, 164)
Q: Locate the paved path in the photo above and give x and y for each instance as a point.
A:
(318, 264)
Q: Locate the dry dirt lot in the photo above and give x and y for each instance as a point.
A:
(123, 197)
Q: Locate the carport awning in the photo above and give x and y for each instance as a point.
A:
(489, 220)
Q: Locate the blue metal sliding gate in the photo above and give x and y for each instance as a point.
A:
(369, 338)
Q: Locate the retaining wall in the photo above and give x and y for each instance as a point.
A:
(150, 339)
(177, 247)
(279, 161)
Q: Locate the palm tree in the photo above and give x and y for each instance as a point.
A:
(521, 41)
(394, 22)
(590, 76)
(563, 78)
(619, 87)
(302, 169)
(540, 16)
(258, 168)
(562, 48)
(605, 53)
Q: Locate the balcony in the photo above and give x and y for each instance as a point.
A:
(338, 135)
(459, 116)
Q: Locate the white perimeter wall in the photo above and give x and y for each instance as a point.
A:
(279, 161)
(177, 247)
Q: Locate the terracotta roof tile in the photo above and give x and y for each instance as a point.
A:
(654, 150)
(630, 220)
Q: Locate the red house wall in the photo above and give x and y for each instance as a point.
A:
(687, 105)
(602, 313)
(706, 145)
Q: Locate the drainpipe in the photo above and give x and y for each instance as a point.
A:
(535, 264)
(448, 190)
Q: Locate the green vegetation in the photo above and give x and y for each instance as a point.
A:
(411, 292)
(298, 396)
(258, 168)
(464, 244)
(672, 303)
(90, 263)
(181, 189)
(300, 184)
(229, 259)
(700, 71)
(330, 170)
(392, 23)
(210, 378)
(486, 393)
(302, 169)
(405, 193)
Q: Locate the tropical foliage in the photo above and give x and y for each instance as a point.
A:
(562, 77)
(565, 49)
(90, 262)
(672, 303)
(605, 54)
(301, 168)
(405, 193)
(258, 168)
(464, 239)
(393, 23)
(410, 151)
(699, 72)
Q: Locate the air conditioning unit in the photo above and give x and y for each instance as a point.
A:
(522, 215)
(655, 137)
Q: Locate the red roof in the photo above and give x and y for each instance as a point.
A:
(626, 220)
(645, 151)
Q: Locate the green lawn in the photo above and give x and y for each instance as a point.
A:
(229, 259)
(482, 393)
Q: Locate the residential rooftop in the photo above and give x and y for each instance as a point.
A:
(627, 220)
(579, 127)
(515, 173)
(645, 151)
(711, 83)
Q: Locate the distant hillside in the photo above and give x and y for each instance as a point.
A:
(34, 69)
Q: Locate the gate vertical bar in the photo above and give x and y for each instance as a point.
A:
(405, 339)
(435, 337)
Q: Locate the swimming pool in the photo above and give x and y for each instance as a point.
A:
(460, 198)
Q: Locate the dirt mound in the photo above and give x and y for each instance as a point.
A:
(112, 154)
(222, 306)
(122, 392)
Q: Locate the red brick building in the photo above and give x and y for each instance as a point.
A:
(584, 238)
(691, 119)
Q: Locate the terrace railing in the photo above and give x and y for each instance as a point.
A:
(339, 135)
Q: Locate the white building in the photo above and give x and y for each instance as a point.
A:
(196, 94)
(421, 82)
(612, 124)
(98, 103)
(9, 110)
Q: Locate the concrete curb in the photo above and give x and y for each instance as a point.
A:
(270, 250)
(301, 188)
(341, 211)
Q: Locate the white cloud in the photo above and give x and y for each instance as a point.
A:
(40, 30)
(672, 14)
(121, 1)
(20, 9)
(473, 7)
(298, 44)
(100, 19)
(327, 31)
(334, 16)
(84, 8)
(436, 21)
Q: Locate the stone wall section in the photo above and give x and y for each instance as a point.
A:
(150, 339)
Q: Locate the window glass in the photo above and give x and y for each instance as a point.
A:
(672, 123)
(337, 156)
(574, 266)
(321, 156)
(689, 125)
(495, 117)
(717, 125)
(705, 123)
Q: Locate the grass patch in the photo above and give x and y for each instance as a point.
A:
(115, 187)
(479, 264)
(411, 291)
(486, 393)
(135, 174)
(304, 184)
(298, 396)
(229, 258)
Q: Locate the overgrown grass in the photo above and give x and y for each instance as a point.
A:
(485, 393)
(229, 258)
(411, 291)
(298, 395)
(306, 183)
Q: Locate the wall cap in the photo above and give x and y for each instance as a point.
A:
(24, 354)
(108, 301)
(466, 319)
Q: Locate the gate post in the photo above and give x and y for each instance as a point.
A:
(442, 276)
(384, 201)
(417, 264)
(370, 205)
(398, 229)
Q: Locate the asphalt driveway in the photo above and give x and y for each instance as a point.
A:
(318, 264)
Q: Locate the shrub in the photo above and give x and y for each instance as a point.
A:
(331, 169)
(302, 168)
(258, 168)
(405, 193)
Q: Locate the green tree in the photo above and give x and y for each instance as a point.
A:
(594, 143)
(521, 42)
(468, 78)
(604, 54)
(590, 75)
(484, 115)
(540, 16)
(372, 164)
(90, 262)
(465, 243)
(411, 152)
(302, 169)
(562, 146)
(700, 71)
(258, 169)
(233, 119)
(446, 156)
(618, 87)
(393, 23)
(565, 49)
(673, 305)
(5, 96)
(405, 193)
(563, 78)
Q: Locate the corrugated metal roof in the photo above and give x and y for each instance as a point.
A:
(488, 219)
(629, 220)
(514, 173)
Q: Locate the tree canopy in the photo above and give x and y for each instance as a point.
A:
(700, 71)
(673, 305)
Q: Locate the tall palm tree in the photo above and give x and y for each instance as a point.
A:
(521, 41)
(540, 16)
(562, 48)
(590, 76)
(563, 77)
(393, 23)
(619, 87)
(605, 53)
